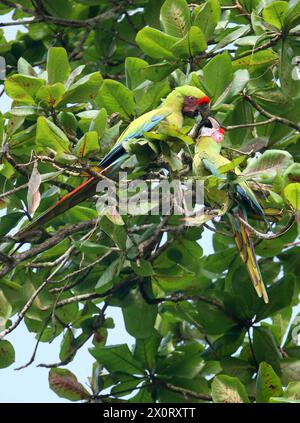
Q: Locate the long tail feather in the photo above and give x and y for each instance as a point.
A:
(79, 194)
(84, 191)
(245, 246)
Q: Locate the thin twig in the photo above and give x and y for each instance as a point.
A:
(29, 303)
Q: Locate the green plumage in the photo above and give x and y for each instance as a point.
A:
(207, 160)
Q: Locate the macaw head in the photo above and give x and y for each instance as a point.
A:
(212, 129)
(192, 101)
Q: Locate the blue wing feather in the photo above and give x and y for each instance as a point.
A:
(119, 149)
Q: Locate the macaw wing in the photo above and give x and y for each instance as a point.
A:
(133, 131)
(210, 165)
(248, 196)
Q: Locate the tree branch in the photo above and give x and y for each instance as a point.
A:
(264, 112)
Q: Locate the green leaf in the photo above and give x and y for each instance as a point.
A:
(266, 166)
(290, 370)
(280, 296)
(135, 305)
(207, 16)
(83, 90)
(226, 345)
(185, 362)
(283, 400)
(65, 384)
(67, 346)
(48, 135)
(99, 123)
(142, 268)
(145, 350)
(257, 61)
(232, 36)
(227, 389)
(236, 367)
(217, 75)
(87, 144)
(175, 17)
(288, 71)
(22, 88)
(158, 71)
(7, 353)
(54, 8)
(292, 391)
(25, 68)
(293, 15)
(156, 44)
(191, 44)
(134, 71)
(267, 383)
(115, 97)
(239, 82)
(51, 94)
(9, 221)
(58, 67)
(275, 13)
(292, 194)
(265, 347)
(117, 358)
(116, 233)
(108, 276)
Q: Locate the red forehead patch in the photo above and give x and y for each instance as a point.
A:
(203, 100)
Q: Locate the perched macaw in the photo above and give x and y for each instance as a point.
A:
(207, 160)
(182, 101)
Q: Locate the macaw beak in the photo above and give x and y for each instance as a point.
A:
(204, 110)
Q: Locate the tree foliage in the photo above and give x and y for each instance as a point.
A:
(77, 76)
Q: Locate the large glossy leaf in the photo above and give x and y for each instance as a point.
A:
(58, 67)
(265, 347)
(48, 135)
(134, 305)
(207, 17)
(288, 71)
(156, 43)
(117, 358)
(22, 88)
(268, 165)
(267, 384)
(217, 75)
(191, 44)
(114, 97)
(175, 17)
(292, 194)
(227, 389)
(83, 90)
(275, 13)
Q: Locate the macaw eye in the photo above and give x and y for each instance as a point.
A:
(191, 97)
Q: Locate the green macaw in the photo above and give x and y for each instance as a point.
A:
(182, 101)
(207, 160)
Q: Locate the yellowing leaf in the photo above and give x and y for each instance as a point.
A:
(87, 144)
(33, 194)
(292, 194)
